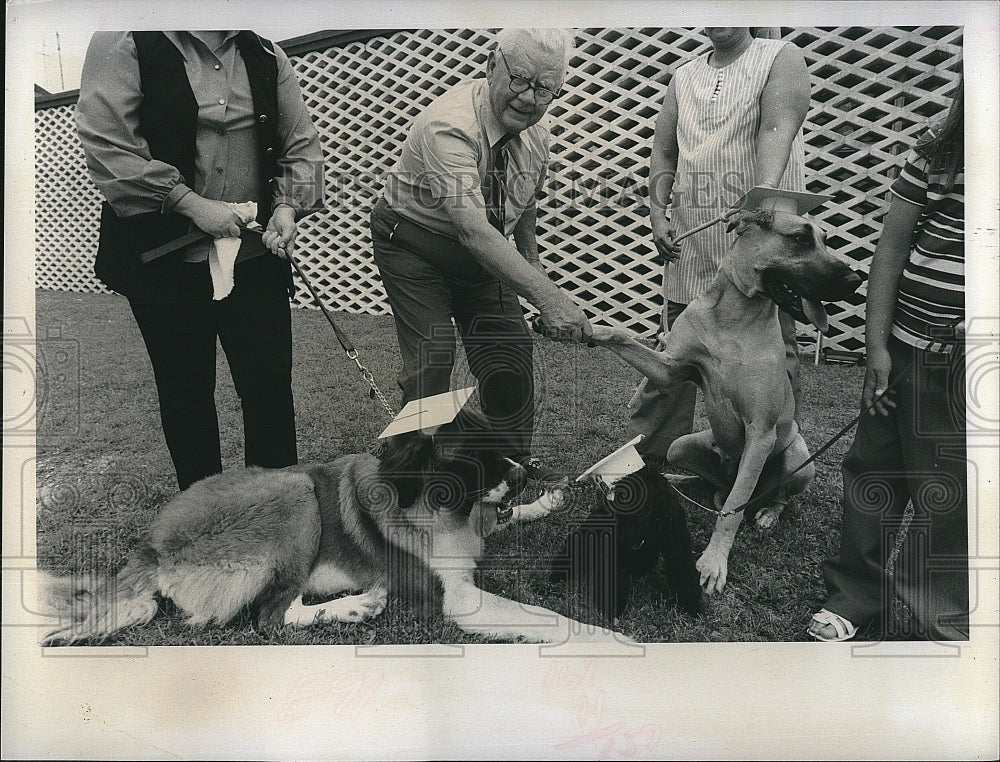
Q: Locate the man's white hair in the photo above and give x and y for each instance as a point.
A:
(556, 41)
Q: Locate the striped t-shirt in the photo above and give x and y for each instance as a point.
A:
(932, 288)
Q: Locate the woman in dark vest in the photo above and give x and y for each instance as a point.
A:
(179, 128)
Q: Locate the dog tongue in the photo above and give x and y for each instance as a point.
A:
(483, 519)
(816, 314)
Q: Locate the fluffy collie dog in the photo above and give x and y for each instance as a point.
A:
(264, 542)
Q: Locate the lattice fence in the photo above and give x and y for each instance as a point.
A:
(873, 92)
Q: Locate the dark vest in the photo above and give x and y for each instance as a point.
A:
(168, 120)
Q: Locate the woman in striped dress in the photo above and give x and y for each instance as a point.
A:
(910, 447)
(731, 119)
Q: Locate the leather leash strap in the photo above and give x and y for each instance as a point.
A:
(345, 342)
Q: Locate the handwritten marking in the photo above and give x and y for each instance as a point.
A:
(343, 693)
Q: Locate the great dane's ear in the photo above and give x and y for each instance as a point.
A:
(747, 217)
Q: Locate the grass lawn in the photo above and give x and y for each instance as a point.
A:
(103, 472)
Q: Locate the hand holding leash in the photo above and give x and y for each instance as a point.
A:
(539, 326)
(217, 219)
(874, 397)
(279, 236)
(664, 238)
(564, 322)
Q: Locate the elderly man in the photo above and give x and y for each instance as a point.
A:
(465, 183)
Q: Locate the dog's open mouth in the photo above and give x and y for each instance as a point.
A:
(495, 507)
(802, 309)
(487, 515)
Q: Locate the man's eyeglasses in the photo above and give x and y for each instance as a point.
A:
(519, 84)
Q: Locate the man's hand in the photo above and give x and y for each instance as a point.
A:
(561, 320)
(280, 234)
(216, 218)
(878, 364)
(663, 237)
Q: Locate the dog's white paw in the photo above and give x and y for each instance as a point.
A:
(350, 609)
(550, 500)
(712, 569)
(357, 608)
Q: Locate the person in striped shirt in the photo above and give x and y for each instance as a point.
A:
(910, 445)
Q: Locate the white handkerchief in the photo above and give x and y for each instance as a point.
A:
(222, 258)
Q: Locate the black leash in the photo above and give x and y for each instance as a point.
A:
(373, 390)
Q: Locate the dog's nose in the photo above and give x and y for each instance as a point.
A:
(841, 282)
(851, 282)
(517, 478)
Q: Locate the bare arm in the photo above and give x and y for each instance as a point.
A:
(890, 258)
(299, 185)
(662, 173)
(562, 317)
(783, 106)
(524, 236)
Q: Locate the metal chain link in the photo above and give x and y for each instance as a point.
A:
(374, 390)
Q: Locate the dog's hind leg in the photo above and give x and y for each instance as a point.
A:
(350, 608)
(783, 471)
(698, 452)
(276, 600)
(237, 541)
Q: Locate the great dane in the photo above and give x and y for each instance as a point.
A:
(729, 342)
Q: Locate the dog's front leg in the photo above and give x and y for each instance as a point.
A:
(713, 565)
(550, 500)
(492, 616)
(660, 368)
(349, 608)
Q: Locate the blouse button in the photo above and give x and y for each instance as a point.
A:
(222, 101)
(217, 67)
(262, 118)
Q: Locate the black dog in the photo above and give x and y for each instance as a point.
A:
(622, 541)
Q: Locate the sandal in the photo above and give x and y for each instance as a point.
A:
(842, 628)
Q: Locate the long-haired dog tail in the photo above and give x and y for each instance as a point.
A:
(93, 608)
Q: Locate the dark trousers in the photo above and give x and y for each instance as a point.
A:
(428, 286)
(663, 417)
(253, 325)
(917, 455)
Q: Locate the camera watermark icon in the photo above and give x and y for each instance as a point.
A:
(42, 374)
(82, 588)
(982, 377)
(509, 362)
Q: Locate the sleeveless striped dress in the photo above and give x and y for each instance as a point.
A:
(718, 113)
